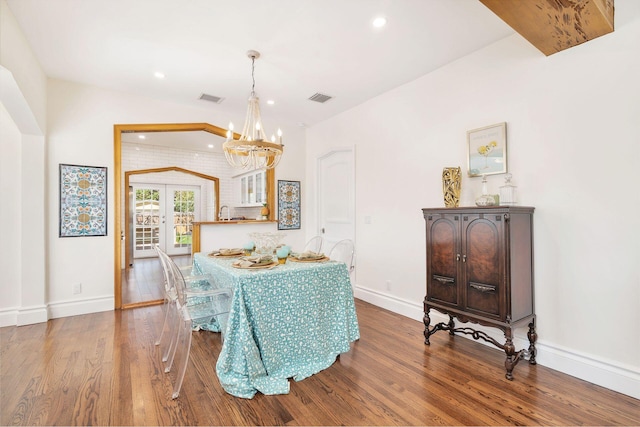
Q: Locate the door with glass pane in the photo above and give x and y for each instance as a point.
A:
(182, 211)
(164, 215)
(148, 219)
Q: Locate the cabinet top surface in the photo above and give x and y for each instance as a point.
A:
(521, 209)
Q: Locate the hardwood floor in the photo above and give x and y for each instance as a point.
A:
(142, 282)
(103, 369)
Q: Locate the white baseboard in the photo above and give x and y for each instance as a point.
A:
(20, 316)
(31, 315)
(78, 307)
(607, 374)
(623, 379)
(389, 302)
(9, 316)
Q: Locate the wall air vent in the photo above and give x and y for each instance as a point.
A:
(319, 97)
(211, 98)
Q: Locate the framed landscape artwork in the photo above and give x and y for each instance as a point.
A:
(83, 201)
(288, 205)
(487, 150)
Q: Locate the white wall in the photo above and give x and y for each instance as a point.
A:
(10, 142)
(573, 125)
(292, 168)
(16, 56)
(22, 256)
(23, 121)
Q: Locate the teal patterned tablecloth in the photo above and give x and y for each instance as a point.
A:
(291, 321)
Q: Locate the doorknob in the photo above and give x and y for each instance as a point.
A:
(322, 230)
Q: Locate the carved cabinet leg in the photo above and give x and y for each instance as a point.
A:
(533, 336)
(452, 325)
(427, 321)
(510, 350)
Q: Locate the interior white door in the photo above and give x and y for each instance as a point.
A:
(336, 197)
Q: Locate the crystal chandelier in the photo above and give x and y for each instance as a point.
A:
(252, 150)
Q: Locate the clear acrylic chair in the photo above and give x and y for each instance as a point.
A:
(314, 245)
(215, 306)
(196, 285)
(343, 251)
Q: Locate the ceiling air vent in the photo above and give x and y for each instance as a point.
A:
(319, 97)
(211, 98)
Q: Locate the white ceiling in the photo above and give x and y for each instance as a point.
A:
(307, 46)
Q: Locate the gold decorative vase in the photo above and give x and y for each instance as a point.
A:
(451, 180)
(264, 211)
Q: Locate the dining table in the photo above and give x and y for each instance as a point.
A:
(287, 321)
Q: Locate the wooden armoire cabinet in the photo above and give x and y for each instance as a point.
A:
(480, 270)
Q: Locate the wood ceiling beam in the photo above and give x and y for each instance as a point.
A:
(555, 25)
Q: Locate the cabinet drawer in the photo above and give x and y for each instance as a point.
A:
(442, 289)
(483, 298)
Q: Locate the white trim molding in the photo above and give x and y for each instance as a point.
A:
(8, 316)
(78, 307)
(21, 316)
(31, 315)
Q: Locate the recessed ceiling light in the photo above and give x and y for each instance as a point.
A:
(210, 145)
(159, 75)
(379, 22)
(142, 137)
(271, 102)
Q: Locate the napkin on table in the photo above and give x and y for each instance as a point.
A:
(234, 251)
(251, 261)
(309, 255)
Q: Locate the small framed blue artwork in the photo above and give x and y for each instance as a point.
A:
(288, 205)
(487, 150)
(83, 201)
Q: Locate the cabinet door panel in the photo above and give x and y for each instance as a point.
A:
(483, 298)
(442, 283)
(484, 266)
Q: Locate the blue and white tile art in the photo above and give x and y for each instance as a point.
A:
(288, 205)
(83, 201)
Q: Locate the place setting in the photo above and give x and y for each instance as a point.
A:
(308, 256)
(227, 253)
(255, 262)
(252, 256)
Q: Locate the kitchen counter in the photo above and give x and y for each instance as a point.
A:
(236, 221)
(212, 235)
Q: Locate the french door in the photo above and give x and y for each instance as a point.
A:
(164, 215)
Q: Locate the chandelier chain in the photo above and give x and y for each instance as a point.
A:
(253, 78)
